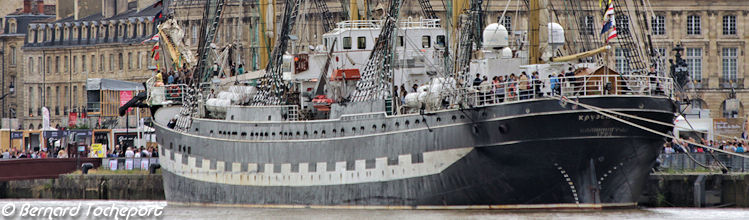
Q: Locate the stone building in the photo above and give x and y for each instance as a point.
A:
(100, 39)
(12, 38)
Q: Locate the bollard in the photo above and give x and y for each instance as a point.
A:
(153, 167)
(85, 167)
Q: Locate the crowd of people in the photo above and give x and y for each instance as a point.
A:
(58, 152)
(680, 146)
(508, 88)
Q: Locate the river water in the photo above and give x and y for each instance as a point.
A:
(99, 209)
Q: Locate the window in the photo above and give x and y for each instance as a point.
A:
(64, 103)
(75, 95)
(586, 24)
(31, 101)
(426, 41)
(93, 60)
(441, 40)
(39, 64)
(49, 67)
(694, 63)
(83, 63)
(693, 25)
(66, 64)
(400, 41)
(101, 63)
(30, 65)
(194, 38)
(58, 99)
(129, 60)
(139, 63)
(57, 64)
(347, 43)
(361, 43)
(661, 59)
(75, 64)
(622, 63)
(119, 61)
(730, 56)
(622, 24)
(729, 25)
(506, 21)
(12, 55)
(111, 62)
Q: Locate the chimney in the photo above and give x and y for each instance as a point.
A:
(40, 6)
(111, 8)
(26, 6)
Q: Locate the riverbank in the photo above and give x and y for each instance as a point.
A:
(113, 185)
(662, 189)
(696, 190)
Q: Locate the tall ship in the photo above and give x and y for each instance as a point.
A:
(388, 113)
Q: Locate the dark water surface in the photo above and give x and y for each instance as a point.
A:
(97, 209)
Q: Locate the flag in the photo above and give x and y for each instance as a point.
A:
(156, 57)
(155, 38)
(158, 16)
(600, 3)
(609, 23)
(153, 50)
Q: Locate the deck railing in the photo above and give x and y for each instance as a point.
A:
(576, 86)
(682, 162)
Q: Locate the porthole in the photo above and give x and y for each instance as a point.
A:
(417, 122)
(454, 118)
(266, 134)
(252, 134)
(361, 128)
(407, 123)
(273, 134)
(397, 124)
(439, 119)
(335, 131)
(374, 127)
(315, 133)
(297, 133)
(305, 133)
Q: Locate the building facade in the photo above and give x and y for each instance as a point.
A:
(12, 38)
(59, 56)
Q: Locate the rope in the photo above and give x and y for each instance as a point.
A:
(606, 112)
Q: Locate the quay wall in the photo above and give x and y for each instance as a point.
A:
(662, 190)
(89, 186)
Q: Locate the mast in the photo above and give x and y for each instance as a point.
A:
(265, 37)
(353, 10)
(534, 20)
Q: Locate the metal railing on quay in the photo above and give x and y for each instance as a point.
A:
(682, 162)
(128, 163)
(575, 86)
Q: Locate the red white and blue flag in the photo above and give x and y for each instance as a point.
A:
(609, 23)
(155, 38)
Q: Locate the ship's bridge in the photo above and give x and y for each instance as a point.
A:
(419, 43)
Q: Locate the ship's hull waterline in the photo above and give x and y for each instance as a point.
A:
(526, 153)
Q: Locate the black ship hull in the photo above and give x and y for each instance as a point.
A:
(556, 153)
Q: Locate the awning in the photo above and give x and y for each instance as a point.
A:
(112, 85)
